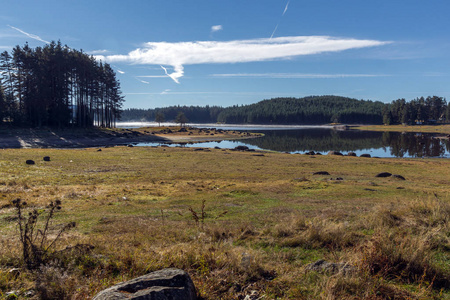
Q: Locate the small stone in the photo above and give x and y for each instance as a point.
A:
(383, 174)
(335, 153)
(323, 266)
(321, 173)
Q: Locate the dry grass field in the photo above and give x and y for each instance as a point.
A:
(236, 221)
(445, 129)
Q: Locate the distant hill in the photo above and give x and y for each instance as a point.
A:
(307, 110)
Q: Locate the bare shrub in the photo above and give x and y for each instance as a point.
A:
(34, 237)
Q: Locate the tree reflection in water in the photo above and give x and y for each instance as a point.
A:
(324, 140)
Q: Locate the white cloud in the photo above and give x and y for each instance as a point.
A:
(297, 75)
(239, 51)
(33, 36)
(216, 28)
(121, 72)
(98, 52)
(166, 91)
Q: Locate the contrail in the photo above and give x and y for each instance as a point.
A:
(285, 10)
(33, 36)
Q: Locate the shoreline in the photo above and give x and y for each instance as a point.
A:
(19, 138)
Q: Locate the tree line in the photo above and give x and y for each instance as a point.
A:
(308, 110)
(57, 86)
(430, 110)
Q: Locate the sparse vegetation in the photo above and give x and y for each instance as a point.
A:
(131, 206)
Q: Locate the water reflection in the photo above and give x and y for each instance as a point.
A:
(415, 145)
(323, 140)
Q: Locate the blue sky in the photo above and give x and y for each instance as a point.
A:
(229, 52)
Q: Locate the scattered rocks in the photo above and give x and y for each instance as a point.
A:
(46, 158)
(365, 155)
(173, 284)
(383, 174)
(30, 162)
(335, 153)
(241, 148)
(323, 266)
(321, 173)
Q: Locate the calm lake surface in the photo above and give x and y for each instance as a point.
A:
(301, 139)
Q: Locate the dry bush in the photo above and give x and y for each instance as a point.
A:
(403, 257)
(359, 286)
(322, 234)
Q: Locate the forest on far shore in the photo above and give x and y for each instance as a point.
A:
(312, 110)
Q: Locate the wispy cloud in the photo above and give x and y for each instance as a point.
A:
(33, 36)
(284, 11)
(121, 72)
(98, 52)
(143, 81)
(239, 51)
(165, 92)
(297, 75)
(152, 76)
(286, 8)
(216, 28)
(178, 73)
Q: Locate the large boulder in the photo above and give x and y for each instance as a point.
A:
(173, 284)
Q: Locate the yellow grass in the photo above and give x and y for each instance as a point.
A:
(266, 218)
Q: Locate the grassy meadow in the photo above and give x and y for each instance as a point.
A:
(445, 129)
(236, 221)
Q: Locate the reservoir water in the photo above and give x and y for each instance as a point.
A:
(322, 139)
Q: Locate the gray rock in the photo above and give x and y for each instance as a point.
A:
(241, 148)
(323, 266)
(335, 153)
(383, 174)
(321, 173)
(166, 284)
(398, 176)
